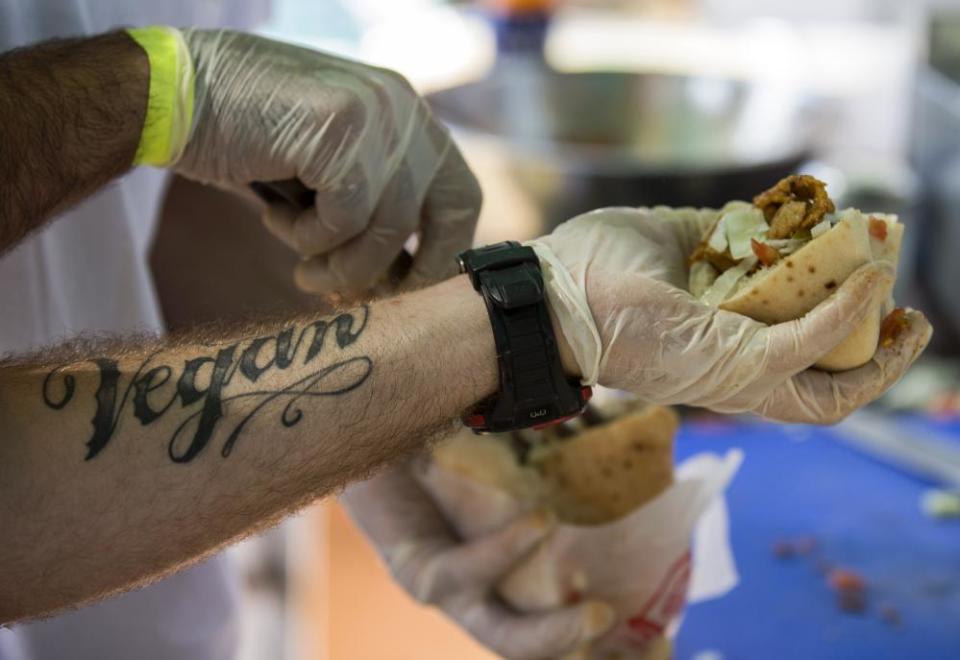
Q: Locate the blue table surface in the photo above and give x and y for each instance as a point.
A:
(798, 481)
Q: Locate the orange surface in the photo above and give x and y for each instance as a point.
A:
(371, 617)
(519, 6)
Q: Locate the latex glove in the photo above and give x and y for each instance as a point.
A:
(382, 167)
(616, 282)
(411, 535)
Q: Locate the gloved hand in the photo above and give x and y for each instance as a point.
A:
(411, 535)
(382, 167)
(616, 281)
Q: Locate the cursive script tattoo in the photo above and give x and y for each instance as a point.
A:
(201, 385)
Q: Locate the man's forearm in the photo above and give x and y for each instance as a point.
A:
(71, 114)
(118, 467)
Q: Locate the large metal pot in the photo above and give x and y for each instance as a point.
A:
(580, 141)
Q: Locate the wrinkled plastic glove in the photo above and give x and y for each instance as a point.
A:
(435, 567)
(616, 282)
(382, 167)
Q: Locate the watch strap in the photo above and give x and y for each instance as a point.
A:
(534, 390)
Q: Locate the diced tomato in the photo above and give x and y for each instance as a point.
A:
(765, 254)
(878, 229)
(842, 579)
(892, 326)
(850, 588)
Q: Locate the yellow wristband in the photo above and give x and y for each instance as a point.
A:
(166, 127)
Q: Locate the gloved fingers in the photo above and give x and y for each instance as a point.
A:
(341, 212)
(819, 397)
(449, 217)
(328, 223)
(796, 345)
(279, 219)
(393, 508)
(689, 226)
(482, 561)
(357, 265)
(536, 636)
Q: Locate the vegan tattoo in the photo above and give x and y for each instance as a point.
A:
(204, 404)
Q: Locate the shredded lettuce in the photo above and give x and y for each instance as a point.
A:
(784, 245)
(820, 228)
(718, 239)
(742, 225)
(702, 276)
(724, 285)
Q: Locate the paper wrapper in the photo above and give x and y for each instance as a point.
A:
(647, 565)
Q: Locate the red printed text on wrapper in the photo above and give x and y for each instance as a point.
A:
(663, 606)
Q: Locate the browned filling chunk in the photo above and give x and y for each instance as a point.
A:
(893, 326)
(719, 260)
(796, 203)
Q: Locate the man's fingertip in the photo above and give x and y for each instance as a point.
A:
(598, 618)
(305, 278)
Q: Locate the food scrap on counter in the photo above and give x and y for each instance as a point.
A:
(849, 586)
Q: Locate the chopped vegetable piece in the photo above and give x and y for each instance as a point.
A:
(878, 228)
(766, 254)
(727, 282)
(784, 246)
(893, 326)
(718, 239)
(941, 504)
(842, 579)
(743, 225)
(851, 589)
(820, 229)
(702, 276)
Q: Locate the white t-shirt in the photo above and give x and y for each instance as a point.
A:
(88, 272)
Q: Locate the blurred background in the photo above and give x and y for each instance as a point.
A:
(563, 106)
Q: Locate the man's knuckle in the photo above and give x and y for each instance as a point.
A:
(472, 193)
(349, 110)
(395, 79)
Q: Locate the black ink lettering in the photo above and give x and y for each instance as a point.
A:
(316, 344)
(284, 354)
(200, 425)
(212, 409)
(187, 385)
(69, 384)
(150, 381)
(248, 360)
(104, 420)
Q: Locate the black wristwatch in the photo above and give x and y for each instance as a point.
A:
(534, 391)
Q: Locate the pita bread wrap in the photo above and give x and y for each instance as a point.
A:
(625, 520)
(800, 272)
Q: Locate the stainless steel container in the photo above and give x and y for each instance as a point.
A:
(580, 141)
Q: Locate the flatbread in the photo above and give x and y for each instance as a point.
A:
(799, 282)
(607, 471)
(593, 477)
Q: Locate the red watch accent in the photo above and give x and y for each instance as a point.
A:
(479, 421)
